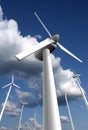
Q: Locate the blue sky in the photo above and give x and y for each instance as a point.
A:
(20, 27)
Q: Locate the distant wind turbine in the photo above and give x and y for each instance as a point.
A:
(35, 120)
(42, 51)
(10, 85)
(76, 76)
(35, 124)
(69, 112)
(20, 120)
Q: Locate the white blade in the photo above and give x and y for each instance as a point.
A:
(78, 79)
(68, 52)
(17, 86)
(82, 92)
(84, 97)
(6, 85)
(43, 24)
(4, 105)
(23, 103)
(35, 48)
(12, 79)
(69, 112)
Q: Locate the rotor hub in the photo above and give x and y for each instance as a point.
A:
(51, 47)
(55, 38)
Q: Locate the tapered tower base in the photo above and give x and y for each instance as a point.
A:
(51, 115)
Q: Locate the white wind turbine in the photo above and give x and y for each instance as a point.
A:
(51, 115)
(76, 76)
(10, 85)
(35, 124)
(69, 112)
(34, 128)
(20, 120)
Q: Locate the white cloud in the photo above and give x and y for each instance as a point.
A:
(11, 43)
(38, 36)
(65, 82)
(64, 119)
(3, 128)
(35, 124)
(24, 96)
(11, 109)
(31, 124)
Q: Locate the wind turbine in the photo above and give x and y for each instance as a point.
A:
(22, 104)
(69, 112)
(10, 85)
(76, 76)
(35, 121)
(35, 125)
(51, 115)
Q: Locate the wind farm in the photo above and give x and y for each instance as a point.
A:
(36, 56)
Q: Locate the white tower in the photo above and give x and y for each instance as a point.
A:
(22, 108)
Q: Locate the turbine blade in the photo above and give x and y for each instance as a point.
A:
(43, 24)
(68, 52)
(84, 97)
(4, 105)
(6, 85)
(78, 81)
(12, 78)
(33, 49)
(17, 86)
(22, 102)
(69, 112)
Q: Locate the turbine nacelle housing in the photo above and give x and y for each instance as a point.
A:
(51, 47)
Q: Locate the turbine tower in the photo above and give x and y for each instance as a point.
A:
(10, 85)
(76, 76)
(51, 120)
(69, 112)
(20, 120)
